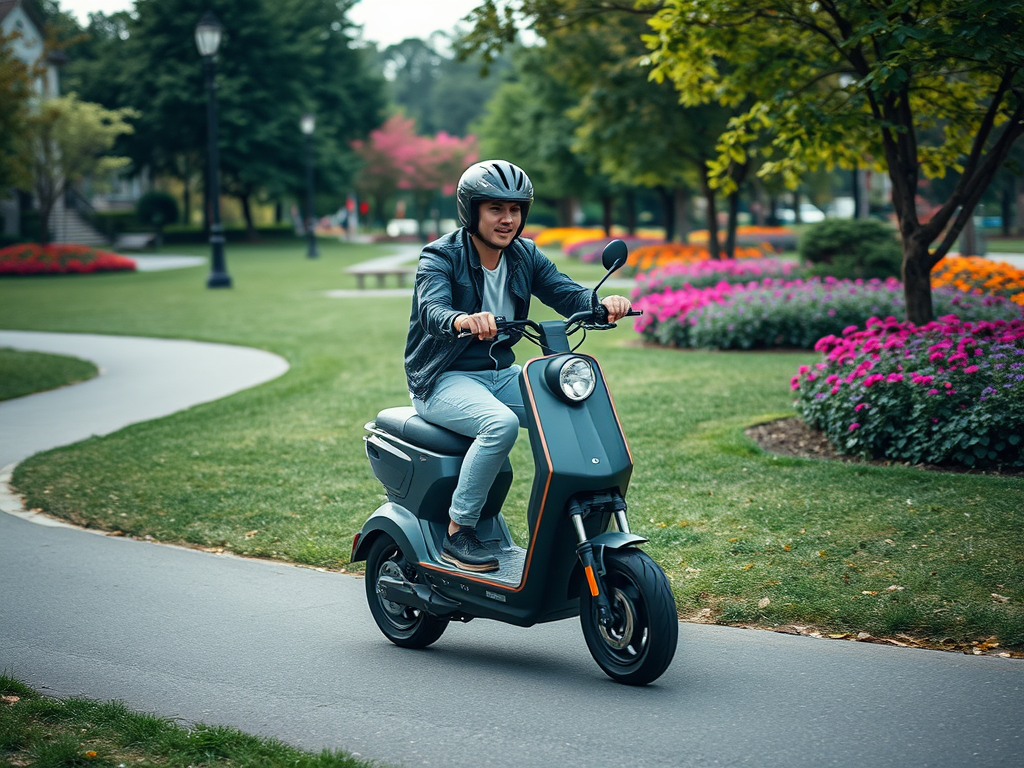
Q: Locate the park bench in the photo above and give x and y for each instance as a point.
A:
(135, 241)
(381, 272)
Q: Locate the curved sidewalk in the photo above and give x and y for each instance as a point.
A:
(139, 379)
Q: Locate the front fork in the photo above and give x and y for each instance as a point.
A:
(585, 551)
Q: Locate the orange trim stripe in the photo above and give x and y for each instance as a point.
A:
(591, 581)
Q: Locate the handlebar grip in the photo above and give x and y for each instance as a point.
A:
(634, 313)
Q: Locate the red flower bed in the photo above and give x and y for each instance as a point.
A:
(33, 259)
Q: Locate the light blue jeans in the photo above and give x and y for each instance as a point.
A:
(487, 406)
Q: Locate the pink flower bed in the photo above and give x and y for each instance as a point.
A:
(949, 392)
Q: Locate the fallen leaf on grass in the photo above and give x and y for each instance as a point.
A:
(10, 700)
(1000, 598)
(893, 588)
(868, 592)
(764, 602)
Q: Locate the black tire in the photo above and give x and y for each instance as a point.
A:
(639, 645)
(402, 625)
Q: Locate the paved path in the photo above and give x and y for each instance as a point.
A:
(293, 653)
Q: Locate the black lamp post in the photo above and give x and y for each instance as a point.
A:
(308, 125)
(208, 33)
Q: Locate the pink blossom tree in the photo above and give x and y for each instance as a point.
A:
(395, 158)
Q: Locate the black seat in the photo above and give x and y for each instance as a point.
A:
(406, 424)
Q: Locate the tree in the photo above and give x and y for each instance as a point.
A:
(69, 139)
(526, 122)
(15, 90)
(277, 60)
(629, 130)
(914, 86)
(395, 158)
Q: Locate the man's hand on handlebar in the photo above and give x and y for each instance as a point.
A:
(480, 325)
(617, 306)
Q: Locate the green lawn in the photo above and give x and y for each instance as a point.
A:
(22, 373)
(279, 471)
(73, 733)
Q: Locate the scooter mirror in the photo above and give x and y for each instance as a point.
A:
(614, 255)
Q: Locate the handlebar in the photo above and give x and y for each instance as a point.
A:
(589, 319)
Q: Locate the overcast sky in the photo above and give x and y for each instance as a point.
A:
(384, 21)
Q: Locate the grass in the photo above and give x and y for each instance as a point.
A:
(746, 537)
(75, 733)
(22, 373)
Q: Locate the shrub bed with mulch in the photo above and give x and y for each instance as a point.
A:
(33, 259)
(949, 392)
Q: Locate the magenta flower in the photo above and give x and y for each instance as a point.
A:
(854, 426)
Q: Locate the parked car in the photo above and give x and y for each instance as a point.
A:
(809, 213)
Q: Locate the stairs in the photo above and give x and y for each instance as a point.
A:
(67, 226)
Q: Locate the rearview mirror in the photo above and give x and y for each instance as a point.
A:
(614, 255)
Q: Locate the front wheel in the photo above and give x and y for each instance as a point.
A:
(402, 625)
(638, 645)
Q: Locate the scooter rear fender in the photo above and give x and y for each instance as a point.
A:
(397, 522)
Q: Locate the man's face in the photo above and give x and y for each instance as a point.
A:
(499, 222)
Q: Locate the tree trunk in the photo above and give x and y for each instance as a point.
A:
(1019, 228)
(186, 199)
(712, 214)
(607, 204)
(681, 200)
(1006, 205)
(669, 209)
(969, 239)
(730, 231)
(917, 281)
(630, 199)
(250, 228)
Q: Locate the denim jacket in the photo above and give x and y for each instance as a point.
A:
(449, 282)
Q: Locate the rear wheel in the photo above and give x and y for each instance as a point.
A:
(638, 645)
(402, 625)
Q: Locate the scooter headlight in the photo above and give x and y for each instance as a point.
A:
(576, 379)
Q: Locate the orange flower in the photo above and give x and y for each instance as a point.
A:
(978, 275)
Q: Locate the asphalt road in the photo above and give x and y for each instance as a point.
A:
(293, 653)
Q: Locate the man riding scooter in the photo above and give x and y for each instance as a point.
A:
(461, 372)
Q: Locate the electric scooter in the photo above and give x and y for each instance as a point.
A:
(577, 563)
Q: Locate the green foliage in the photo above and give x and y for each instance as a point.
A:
(157, 209)
(69, 139)
(912, 87)
(277, 60)
(14, 95)
(852, 248)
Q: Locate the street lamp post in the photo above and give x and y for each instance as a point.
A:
(208, 34)
(308, 125)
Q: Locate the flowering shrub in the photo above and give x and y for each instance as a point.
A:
(705, 274)
(32, 259)
(795, 313)
(974, 274)
(777, 239)
(950, 392)
(650, 256)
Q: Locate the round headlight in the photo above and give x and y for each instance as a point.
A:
(576, 379)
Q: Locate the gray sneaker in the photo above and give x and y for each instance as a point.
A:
(464, 550)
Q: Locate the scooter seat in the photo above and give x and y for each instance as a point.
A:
(405, 423)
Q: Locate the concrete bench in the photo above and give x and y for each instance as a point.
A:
(362, 271)
(135, 241)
